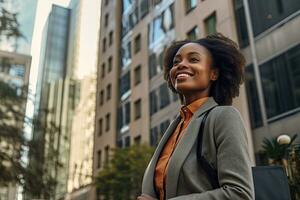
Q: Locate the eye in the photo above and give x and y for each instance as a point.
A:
(175, 62)
(194, 60)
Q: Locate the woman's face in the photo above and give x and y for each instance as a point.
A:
(191, 74)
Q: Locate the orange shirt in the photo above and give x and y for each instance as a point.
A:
(186, 113)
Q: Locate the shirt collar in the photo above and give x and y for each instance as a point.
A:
(192, 107)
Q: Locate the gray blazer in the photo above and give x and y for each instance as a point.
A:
(225, 147)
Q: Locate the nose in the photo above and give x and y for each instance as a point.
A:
(182, 64)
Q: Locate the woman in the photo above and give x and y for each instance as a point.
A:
(206, 74)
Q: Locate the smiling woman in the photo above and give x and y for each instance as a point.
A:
(206, 74)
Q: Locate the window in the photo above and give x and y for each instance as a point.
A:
(193, 34)
(106, 20)
(153, 102)
(138, 109)
(144, 8)
(127, 141)
(252, 96)
(160, 26)
(138, 139)
(108, 92)
(106, 154)
(111, 37)
(281, 82)
(100, 127)
(154, 136)
(241, 24)
(155, 30)
(99, 159)
(126, 54)
(125, 83)
(137, 75)
(106, 2)
(124, 115)
(210, 24)
(190, 5)
(110, 60)
(101, 97)
(164, 95)
(152, 65)
(137, 43)
(103, 70)
(107, 119)
(267, 13)
(104, 45)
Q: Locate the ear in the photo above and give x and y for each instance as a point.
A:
(214, 74)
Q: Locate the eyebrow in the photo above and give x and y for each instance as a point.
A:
(190, 53)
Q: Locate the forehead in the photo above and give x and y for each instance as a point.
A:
(192, 47)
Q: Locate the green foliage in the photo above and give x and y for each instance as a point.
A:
(274, 150)
(9, 25)
(11, 135)
(121, 178)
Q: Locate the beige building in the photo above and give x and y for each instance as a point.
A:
(81, 74)
(134, 104)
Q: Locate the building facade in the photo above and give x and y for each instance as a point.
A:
(269, 39)
(134, 104)
(51, 100)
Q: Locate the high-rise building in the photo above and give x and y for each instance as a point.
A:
(51, 95)
(134, 104)
(270, 40)
(66, 92)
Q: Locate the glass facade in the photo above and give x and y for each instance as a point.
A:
(265, 14)
(280, 83)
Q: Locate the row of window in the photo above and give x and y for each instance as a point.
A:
(161, 98)
(124, 113)
(109, 67)
(280, 83)
(133, 12)
(110, 41)
(126, 50)
(106, 156)
(264, 15)
(107, 124)
(125, 80)
(108, 94)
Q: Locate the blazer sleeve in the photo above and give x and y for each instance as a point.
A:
(233, 160)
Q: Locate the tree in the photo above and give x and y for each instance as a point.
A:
(121, 178)
(12, 138)
(9, 25)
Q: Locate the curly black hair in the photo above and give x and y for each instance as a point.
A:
(226, 58)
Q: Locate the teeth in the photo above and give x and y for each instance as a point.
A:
(182, 75)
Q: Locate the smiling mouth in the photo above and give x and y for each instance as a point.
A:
(182, 76)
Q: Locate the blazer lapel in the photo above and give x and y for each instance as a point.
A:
(148, 180)
(184, 147)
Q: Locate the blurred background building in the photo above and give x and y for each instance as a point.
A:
(15, 63)
(65, 98)
(273, 66)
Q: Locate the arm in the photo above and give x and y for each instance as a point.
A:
(233, 161)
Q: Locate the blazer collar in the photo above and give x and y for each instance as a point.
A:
(181, 152)
(184, 147)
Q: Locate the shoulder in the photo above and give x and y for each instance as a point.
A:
(228, 122)
(225, 113)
